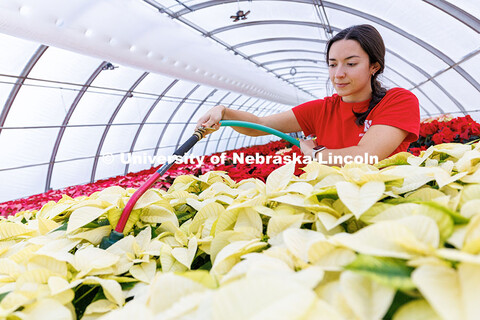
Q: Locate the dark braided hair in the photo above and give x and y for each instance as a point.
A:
(372, 43)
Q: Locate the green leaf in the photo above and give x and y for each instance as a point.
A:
(330, 193)
(63, 227)
(97, 223)
(387, 271)
(3, 295)
(84, 295)
(399, 300)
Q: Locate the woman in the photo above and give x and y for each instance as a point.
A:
(363, 118)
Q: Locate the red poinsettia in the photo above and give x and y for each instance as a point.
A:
(136, 179)
(446, 129)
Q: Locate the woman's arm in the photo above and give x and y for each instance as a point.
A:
(283, 121)
(379, 141)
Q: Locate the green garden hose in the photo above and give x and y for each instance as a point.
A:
(245, 124)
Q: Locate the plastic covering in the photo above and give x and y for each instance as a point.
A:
(83, 79)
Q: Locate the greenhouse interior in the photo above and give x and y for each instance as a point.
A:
(117, 200)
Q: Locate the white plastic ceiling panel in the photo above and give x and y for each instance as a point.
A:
(111, 168)
(22, 147)
(71, 172)
(473, 67)
(240, 35)
(18, 183)
(13, 60)
(465, 93)
(36, 106)
(404, 67)
(77, 142)
(439, 97)
(428, 106)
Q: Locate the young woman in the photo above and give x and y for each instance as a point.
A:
(363, 118)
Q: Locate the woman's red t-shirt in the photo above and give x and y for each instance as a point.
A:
(333, 123)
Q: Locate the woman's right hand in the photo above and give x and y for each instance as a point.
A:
(212, 118)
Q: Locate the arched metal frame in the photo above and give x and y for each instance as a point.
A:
(290, 60)
(110, 121)
(298, 66)
(313, 74)
(145, 118)
(65, 123)
(284, 51)
(18, 84)
(253, 42)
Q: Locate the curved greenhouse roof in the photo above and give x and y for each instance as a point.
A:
(87, 78)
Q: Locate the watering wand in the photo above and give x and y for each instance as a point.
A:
(199, 134)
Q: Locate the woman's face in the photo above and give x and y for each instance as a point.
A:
(350, 71)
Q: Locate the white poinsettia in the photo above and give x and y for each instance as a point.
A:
(314, 171)
(94, 236)
(92, 261)
(279, 178)
(168, 289)
(360, 199)
(266, 297)
(11, 230)
(144, 271)
(416, 310)
(402, 238)
(280, 222)
(85, 214)
(232, 253)
(131, 250)
(38, 310)
(366, 298)
(111, 289)
(451, 293)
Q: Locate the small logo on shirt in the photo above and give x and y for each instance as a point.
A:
(367, 125)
